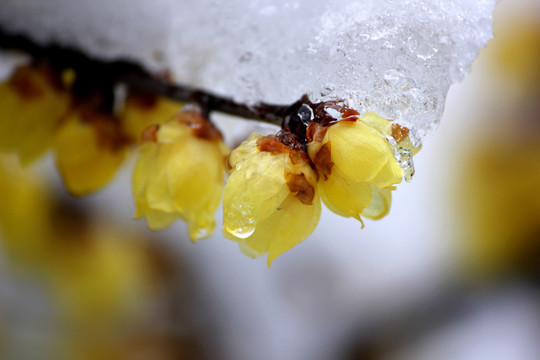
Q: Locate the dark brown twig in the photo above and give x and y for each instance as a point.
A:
(93, 73)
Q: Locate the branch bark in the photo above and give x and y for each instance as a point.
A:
(94, 73)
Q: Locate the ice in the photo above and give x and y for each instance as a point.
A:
(397, 58)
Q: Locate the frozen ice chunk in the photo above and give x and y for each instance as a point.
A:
(395, 57)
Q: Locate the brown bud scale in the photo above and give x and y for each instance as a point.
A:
(323, 161)
(150, 134)
(399, 133)
(24, 85)
(275, 145)
(200, 127)
(298, 184)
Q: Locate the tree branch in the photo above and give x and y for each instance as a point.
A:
(93, 73)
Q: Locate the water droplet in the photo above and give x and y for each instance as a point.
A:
(242, 232)
(198, 233)
(404, 158)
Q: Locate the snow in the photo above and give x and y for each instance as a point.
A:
(395, 57)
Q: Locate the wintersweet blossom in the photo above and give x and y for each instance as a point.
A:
(270, 201)
(32, 102)
(179, 174)
(89, 149)
(356, 164)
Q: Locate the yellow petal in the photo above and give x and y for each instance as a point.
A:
(391, 173)
(143, 168)
(201, 224)
(282, 230)
(159, 220)
(343, 196)
(253, 249)
(377, 122)
(172, 131)
(141, 111)
(302, 221)
(158, 193)
(358, 150)
(192, 174)
(245, 150)
(254, 190)
(380, 203)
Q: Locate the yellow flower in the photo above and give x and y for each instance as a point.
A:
(140, 111)
(94, 277)
(89, 149)
(179, 173)
(24, 212)
(270, 201)
(514, 54)
(357, 164)
(32, 102)
(498, 203)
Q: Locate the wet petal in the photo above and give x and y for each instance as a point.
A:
(358, 150)
(381, 201)
(345, 197)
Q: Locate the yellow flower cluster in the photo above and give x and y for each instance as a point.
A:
(93, 278)
(271, 199)
(40, 109)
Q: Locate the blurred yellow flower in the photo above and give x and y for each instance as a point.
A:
(499, 204)
(96, 279)
(514, 53)
(25, 207)
(141, 110)
(356, 164)
(32, 102)
(179, 173)
(270, 201)
(89, 149)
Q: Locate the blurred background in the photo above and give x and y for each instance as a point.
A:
(452, 273)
